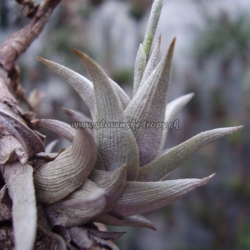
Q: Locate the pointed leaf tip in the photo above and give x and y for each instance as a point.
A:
(152, 25)
(167, 162)
(140, 197)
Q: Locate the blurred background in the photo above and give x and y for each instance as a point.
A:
(212, 59)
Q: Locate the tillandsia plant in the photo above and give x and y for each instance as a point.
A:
(110, 174)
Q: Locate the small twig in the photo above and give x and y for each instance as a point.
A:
(13, 48)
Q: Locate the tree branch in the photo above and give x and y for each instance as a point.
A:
(13, 48)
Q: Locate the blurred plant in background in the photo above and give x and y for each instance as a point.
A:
(219, 75)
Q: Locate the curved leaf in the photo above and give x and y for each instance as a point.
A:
(82, 85)
(172, 109)
(61, 128)
(112, 182)
(142, 197)
(132, 221)
(173, 157)
(116, 145)
(58, 178)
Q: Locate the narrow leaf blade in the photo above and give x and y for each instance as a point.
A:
(172, 109)
(116, 145)
(173, 157)
(152, 25)
(148, 107)
(142, 197)
(140, 64)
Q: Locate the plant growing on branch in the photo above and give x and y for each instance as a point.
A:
(110, 174)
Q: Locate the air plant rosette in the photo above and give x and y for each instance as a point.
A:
(108, 175)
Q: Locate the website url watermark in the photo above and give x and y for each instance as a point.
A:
(127, 125)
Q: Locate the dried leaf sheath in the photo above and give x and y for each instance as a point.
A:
(19, 180)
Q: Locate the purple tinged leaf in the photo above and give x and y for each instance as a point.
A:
(173, 157)
(112, 182)
(149, 106)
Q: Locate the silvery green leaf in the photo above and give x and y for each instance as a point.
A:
(61, 128)
(19, 180)
(173, 157)
(152, 62)
(28, 139)
(172, 109)
(152, 25)
(82, 85)
(149, 106)
(132, 221)
(43, 225)
(140, 64)
(79, 207)
(116, 145)
(142, 197)
(112, 182)
(56, 179)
